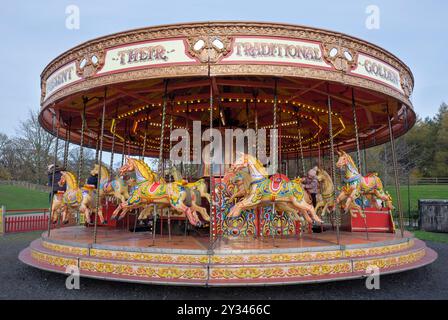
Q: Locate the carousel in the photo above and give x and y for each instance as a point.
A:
(289, 199)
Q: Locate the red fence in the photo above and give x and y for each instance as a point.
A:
(25, 220)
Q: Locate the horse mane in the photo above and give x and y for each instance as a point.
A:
(350, 159)
(70, 179)
(247, 179)
(144, 169)
(325, 173)
(327, 178)
(258, 164)
(106, 171)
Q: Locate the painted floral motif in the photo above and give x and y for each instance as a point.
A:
(240, 272)
(149, 257)
(53, 260)
(65, 249)
(280, 272)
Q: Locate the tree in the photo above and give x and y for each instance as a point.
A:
(441, 150)
(33, 147)
(74, 160)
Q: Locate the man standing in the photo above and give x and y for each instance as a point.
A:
(93, 180)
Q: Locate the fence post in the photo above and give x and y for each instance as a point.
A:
(2, 220)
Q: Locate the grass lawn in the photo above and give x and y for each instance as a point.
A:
(431, 236)
(435, 191)
(21, 198)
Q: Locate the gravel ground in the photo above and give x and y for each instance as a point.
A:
(19, 281)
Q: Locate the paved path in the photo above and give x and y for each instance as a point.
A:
(18, 281)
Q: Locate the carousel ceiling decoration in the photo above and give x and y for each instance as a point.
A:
(240, 62)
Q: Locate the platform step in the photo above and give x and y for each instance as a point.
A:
(121, 256)
(201, 257)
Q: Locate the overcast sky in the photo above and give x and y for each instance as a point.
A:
(34, 32)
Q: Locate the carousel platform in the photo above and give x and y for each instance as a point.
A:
(125, 256)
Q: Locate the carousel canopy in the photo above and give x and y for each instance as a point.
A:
(246, 67)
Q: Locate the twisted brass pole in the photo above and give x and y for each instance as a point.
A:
(55, 157)
(333, 167)
(100, 160)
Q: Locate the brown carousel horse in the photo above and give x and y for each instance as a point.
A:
(326, 197)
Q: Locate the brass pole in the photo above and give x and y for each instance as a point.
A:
(302, 158)
(81, 147)
(358, 157)
(274, 150)
(161, 162)
(333, 167)
(55, 157)
(67, 143)
(212, 213)
(395, 165)
(100, 160)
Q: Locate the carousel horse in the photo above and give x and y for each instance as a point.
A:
(306, 195)
(88, 204)
(147, 211)
(265, 190)
(108, 187)
(355, 185)
(69, 201)
(195, 191)
(325, 201)
(152, 189)
(242, 182)
(199, 185)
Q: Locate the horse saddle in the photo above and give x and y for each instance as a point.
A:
(182, 182)
(277, 180)
(154, 186)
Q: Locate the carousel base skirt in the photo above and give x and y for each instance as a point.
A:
(187, 260)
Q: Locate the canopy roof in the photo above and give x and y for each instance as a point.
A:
(246, 66)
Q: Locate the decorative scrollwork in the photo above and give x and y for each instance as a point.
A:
(89, 64)
(406, 84)
(209, 48)
(342, 58)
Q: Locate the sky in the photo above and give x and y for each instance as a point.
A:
(35, 32)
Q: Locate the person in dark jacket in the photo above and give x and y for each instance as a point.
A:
(311, 184)
(54, 184)
(93, 180)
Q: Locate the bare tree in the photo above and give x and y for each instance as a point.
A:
(33, 146)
